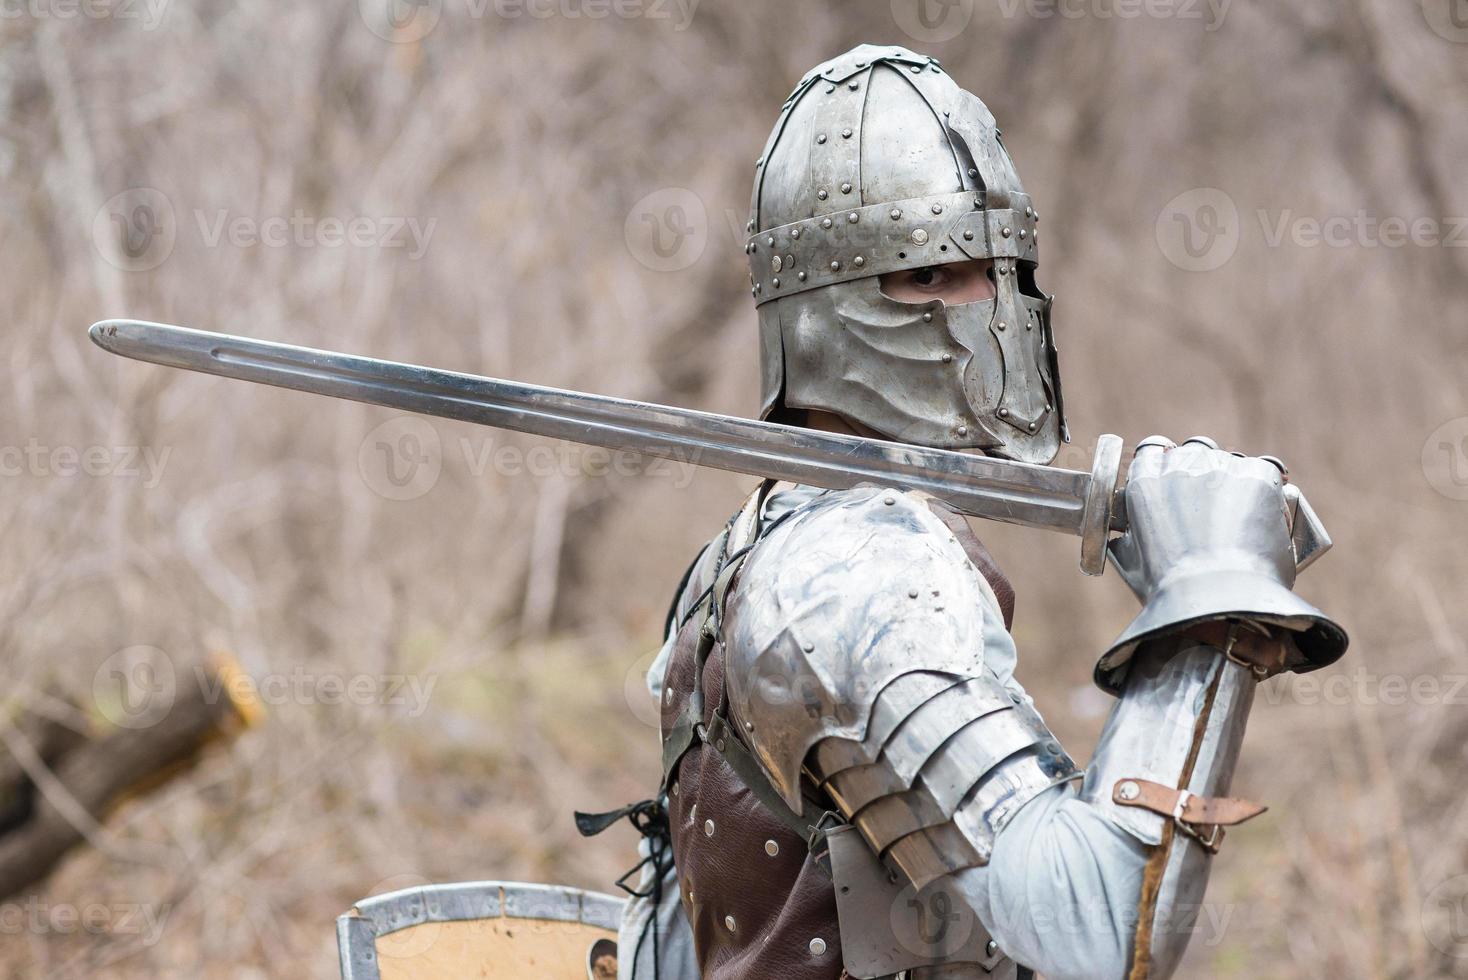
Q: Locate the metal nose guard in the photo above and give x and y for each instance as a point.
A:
(1019, 332)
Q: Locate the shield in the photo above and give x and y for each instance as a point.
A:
(488, 929)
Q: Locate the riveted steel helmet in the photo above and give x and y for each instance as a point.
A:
(881, 163)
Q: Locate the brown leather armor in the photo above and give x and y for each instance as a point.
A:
(759, 903)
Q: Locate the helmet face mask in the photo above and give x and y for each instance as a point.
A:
(880, 164)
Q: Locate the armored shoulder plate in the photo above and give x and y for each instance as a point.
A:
(849, 593)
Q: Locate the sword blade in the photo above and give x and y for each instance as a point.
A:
(1000, 490)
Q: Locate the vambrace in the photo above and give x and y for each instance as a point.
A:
(1178, 726)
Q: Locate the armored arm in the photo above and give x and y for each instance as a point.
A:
(867, 656)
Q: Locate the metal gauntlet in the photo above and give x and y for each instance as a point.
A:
(1210, 553)
(1215, 538)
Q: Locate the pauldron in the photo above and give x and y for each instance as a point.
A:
(866, 655)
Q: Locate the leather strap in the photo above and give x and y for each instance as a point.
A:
(1200, 817)
(684, 730)
(1213, 810)
(977, 553)
(747, 768)
(1247, 644)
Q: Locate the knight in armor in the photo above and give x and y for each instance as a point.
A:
(855, 783)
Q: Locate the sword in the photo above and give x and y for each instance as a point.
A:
(1088, 505)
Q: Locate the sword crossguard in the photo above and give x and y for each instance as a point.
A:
(1104, 504)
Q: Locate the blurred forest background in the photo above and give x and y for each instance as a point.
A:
(1255, 220)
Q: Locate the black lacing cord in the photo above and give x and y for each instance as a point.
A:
(707, 593)
(651, 821)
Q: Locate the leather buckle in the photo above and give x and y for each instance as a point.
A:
(1211, 842)
(829, 820)
(1250, 645)
(1179, 805)
(1261, 673)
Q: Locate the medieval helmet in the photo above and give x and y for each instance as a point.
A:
(881, 163)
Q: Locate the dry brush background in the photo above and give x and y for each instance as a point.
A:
(525, 606)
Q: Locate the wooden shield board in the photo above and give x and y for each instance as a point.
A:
(486, 930)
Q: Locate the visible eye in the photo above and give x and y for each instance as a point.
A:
(931, 277)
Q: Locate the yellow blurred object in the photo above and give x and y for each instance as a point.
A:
(239, 687)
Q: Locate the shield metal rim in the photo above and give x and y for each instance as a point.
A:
(358, 930)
